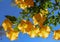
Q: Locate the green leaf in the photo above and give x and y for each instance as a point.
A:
(51, 29)
(55, 24)
(16, 29)
(11, 18)
(53, 12)
(46, 22)
(59, 13)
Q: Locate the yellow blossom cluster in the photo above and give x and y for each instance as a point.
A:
(27, 27)
(24, 3)
(32, 31)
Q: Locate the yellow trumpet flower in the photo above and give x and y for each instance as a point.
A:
(7, 24)
(25, 26)
(56, 35)
(38, 19)
(44, 32)
(25, 3)
(12, 35)
(10, 32)
(33, 32)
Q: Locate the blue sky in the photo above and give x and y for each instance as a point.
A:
(7, 9)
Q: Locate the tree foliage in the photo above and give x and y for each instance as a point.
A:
(35, 19)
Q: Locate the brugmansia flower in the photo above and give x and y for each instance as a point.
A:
(57, 35)
(7, 24)
(39, 19)
(10, 32)
(44, 32)
(25, 26)
(33, 33)
(12, 35)
(24, 3)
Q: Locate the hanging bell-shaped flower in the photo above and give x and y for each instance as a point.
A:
(39, 19)
(12, 35)
(10, 32)
(33, 33)
(25, 26)
(7, 24)
(44, 32)
(56, 35)
(25, 3)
